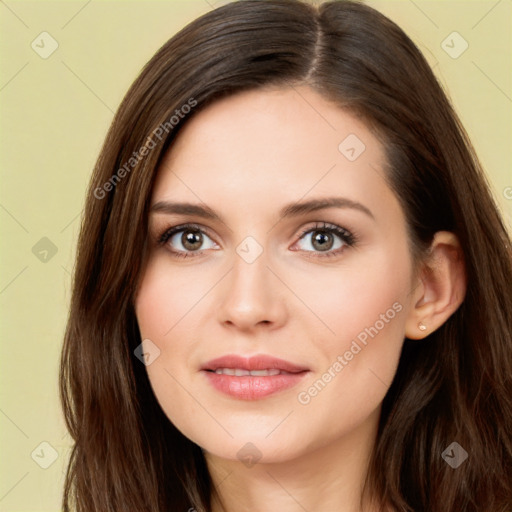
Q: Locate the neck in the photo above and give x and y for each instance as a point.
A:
(330, 477)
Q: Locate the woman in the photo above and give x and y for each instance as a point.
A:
(291, 286)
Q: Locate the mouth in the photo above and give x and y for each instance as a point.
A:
(240, 372)
(252, 378)
(261, 362)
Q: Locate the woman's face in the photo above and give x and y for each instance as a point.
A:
(297, 252)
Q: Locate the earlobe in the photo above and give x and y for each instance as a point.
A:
(441, 289)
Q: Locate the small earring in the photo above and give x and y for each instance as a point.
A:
(422, 327)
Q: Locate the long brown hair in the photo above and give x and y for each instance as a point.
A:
(454, 386)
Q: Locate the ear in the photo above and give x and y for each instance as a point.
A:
(440, 288)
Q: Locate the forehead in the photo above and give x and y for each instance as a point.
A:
(276, 145)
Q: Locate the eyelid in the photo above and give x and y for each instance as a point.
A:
(163, 236)
(347, 237)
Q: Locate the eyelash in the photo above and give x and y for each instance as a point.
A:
(348, 238)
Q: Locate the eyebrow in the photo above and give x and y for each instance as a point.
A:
(290, 210)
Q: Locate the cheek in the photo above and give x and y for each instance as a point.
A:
(366, 308)
(362, 305)
(364, 294)
(165, 306)
(165, 297)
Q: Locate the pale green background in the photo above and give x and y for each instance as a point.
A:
(54, 116)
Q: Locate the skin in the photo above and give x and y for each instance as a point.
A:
(246, 157)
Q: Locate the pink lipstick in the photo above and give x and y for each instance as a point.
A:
(252, 378)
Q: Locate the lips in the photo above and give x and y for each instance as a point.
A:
(252, 378)
(239, 372)
(254, 363)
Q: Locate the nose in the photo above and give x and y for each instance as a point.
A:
(251, 297)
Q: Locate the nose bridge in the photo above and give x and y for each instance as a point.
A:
(249, 278)
(249, 295)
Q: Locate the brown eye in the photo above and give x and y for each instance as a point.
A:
(185, 240)
(191, 240)
(322, 241)
(325, 240)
